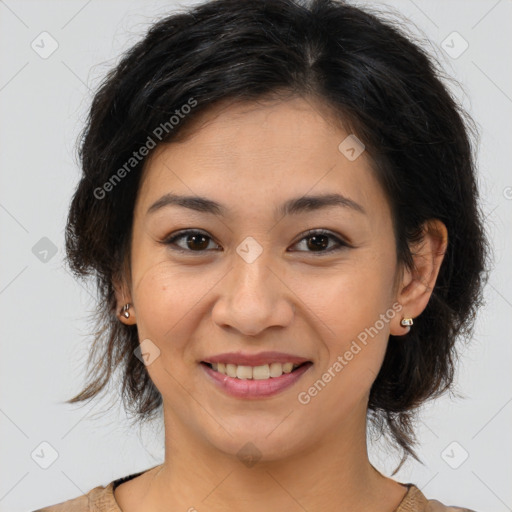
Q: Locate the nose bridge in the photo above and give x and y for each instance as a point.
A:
(253, 298)
(250, 279)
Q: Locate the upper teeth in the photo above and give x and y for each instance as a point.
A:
(254, 372)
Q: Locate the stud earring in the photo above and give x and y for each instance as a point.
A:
(406, 322)
(125, 311)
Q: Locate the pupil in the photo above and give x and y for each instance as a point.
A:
(318, 241)
(194, 239)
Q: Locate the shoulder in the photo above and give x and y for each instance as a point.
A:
(415, 501)
(99, 499)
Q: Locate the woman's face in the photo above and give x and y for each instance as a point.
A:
(250, 280)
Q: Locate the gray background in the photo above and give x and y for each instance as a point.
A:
(44, 327)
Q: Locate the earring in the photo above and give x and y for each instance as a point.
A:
(405, 322)
(125, 311)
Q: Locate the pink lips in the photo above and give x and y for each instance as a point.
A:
(252, 388)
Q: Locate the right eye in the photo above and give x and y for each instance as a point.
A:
(194, 241)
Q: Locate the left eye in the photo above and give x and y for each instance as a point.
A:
(318, 240)
(196, 241)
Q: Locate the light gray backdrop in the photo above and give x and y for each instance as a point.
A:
(53, 54)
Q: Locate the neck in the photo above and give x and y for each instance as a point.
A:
(334, 475)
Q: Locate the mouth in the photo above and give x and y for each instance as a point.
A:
(262, 372)
(254, 382)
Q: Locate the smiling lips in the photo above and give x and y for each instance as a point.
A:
(255, 376)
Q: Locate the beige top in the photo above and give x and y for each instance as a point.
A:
(102, 499)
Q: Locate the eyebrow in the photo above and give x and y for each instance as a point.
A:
(291, 207)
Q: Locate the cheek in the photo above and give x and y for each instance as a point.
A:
(170, 304)
(354, 307)
(348, 299)
(353, 313)
(166, 297)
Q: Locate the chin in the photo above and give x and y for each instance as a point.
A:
(253, 441)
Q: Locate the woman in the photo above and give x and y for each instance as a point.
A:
(278, 201)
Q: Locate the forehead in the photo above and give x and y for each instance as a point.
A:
(253, 152)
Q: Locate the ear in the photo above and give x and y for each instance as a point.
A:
(417, 284)
(123, 296)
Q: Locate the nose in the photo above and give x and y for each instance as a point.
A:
(253, 297)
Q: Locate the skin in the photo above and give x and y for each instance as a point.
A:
(251, 158)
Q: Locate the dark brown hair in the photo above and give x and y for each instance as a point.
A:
(381, 85)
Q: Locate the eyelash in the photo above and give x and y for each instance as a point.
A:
(312, 232)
